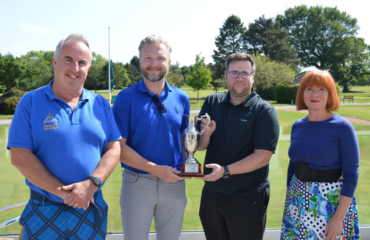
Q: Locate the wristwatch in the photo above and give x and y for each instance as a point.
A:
(95, 180)
(227, 172)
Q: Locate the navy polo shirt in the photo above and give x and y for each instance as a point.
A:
(70, 143)
(155, 136)
(240, 130)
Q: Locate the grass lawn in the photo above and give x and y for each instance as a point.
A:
(14, 189)
(356, 111)
(361, 94)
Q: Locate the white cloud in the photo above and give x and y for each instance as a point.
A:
(34, 28)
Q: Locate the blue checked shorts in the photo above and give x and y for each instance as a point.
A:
(51, 221)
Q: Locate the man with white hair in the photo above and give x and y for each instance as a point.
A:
(64, 140)
(150, 116)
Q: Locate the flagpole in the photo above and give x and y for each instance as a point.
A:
(110, 95)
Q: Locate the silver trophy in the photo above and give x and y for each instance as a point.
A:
(190, 167)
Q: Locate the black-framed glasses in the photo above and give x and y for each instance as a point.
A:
(160, 106)
(245, 75)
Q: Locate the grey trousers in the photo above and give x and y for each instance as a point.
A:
(144, 196)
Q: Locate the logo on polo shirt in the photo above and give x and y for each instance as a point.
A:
(243, 120)
(50, 122)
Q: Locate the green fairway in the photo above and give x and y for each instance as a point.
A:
(356, 111)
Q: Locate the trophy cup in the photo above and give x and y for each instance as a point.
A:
(190, 167)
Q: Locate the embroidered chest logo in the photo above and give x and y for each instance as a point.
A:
(244, 120)
(50, 122)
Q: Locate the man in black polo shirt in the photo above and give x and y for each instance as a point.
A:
(236, 192)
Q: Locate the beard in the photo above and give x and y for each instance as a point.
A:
(162, 75)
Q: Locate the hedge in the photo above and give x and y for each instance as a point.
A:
(286, 93)
(267, 93)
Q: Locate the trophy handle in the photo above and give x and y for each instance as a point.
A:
(209, 121)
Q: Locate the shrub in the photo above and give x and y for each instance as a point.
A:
(267, 93)
(2, 88)
(11, 104)
(286, 93)
(14, 92)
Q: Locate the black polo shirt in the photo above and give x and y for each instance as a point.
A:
(240, 130)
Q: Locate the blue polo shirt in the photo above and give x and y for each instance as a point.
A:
(155, 136)
(69, 143)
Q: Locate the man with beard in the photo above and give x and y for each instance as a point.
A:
(64, 140)
(150, 116)
(236, 192)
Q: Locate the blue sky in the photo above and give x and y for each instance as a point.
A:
(189, 26)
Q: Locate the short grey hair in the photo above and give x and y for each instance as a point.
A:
(240, 57)
(73, 36)
(154, 39)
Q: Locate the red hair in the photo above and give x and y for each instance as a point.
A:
(319, 78)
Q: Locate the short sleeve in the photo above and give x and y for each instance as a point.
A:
(121, 112)
(266, 129)
(20, 132)
(114, 134)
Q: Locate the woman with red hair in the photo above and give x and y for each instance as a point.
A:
(323, 168)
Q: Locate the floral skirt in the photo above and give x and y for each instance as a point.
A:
(308, 208)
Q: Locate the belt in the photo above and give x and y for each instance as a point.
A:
(306, 174)
(41, 198)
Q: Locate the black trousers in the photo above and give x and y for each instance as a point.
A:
(233, 219)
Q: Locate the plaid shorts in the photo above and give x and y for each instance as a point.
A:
(51, 221)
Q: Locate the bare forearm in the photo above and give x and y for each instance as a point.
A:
(35, 172)
(108, 161)
(131, 158)
(256, 160)
(344, 203)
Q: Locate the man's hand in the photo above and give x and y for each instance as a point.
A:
(167, 173)
(210, 129)
(217, 173)
(81, 194)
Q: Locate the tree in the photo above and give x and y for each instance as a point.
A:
(265, 36)
(200, 77)
(135, 61)
(355, 69)
(185, 70)
(174, 77)
(325, 38)
(270, 73)
(43, 61)
(16, 73)
(318, 33)
(121, 78)
(95, 79)
(133, 73)
(229, 41)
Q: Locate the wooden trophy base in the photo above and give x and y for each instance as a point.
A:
(185, 167)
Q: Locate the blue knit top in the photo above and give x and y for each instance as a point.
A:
(324, 145)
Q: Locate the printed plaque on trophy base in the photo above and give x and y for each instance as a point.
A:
(191, 170)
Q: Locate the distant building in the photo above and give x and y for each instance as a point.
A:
(298, 78)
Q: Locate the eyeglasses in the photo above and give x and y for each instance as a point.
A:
(245, 75)
(160, 108)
